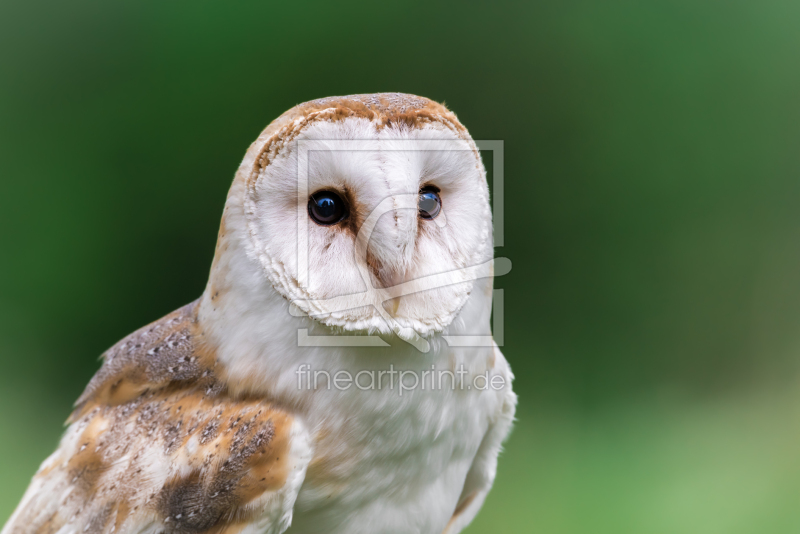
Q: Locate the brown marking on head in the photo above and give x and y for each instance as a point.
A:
(375, 269)
(393, 110)
(356, 213)
(384, 108)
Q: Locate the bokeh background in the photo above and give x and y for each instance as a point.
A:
(652, 195)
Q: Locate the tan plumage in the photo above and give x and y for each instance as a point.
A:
(156, 438)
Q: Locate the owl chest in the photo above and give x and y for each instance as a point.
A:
(386, 460)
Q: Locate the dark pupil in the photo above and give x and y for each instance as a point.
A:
(429, 204)
(326, 208)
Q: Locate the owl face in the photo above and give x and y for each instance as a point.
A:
(343, 212)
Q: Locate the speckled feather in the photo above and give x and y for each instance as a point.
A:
(156, 439)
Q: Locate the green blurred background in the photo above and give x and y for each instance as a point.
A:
(652, 194)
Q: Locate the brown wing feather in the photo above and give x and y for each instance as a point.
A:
(166, 352)
(157, 441)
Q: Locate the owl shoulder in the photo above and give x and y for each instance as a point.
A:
(157, 442)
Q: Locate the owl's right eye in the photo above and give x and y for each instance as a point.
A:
(326, 208)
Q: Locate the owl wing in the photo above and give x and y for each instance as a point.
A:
(157, 445)
(484, 466)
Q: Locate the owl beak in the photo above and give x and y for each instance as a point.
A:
(392, 305)
(391, 245)
(389, 279)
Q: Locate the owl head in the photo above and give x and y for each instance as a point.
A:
(365, 212)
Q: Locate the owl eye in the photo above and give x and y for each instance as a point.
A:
(326, 208)
(430, 203)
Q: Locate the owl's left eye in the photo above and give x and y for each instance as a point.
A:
(326, 208)
(430, 203)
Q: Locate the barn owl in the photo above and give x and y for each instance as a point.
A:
(314, 387)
